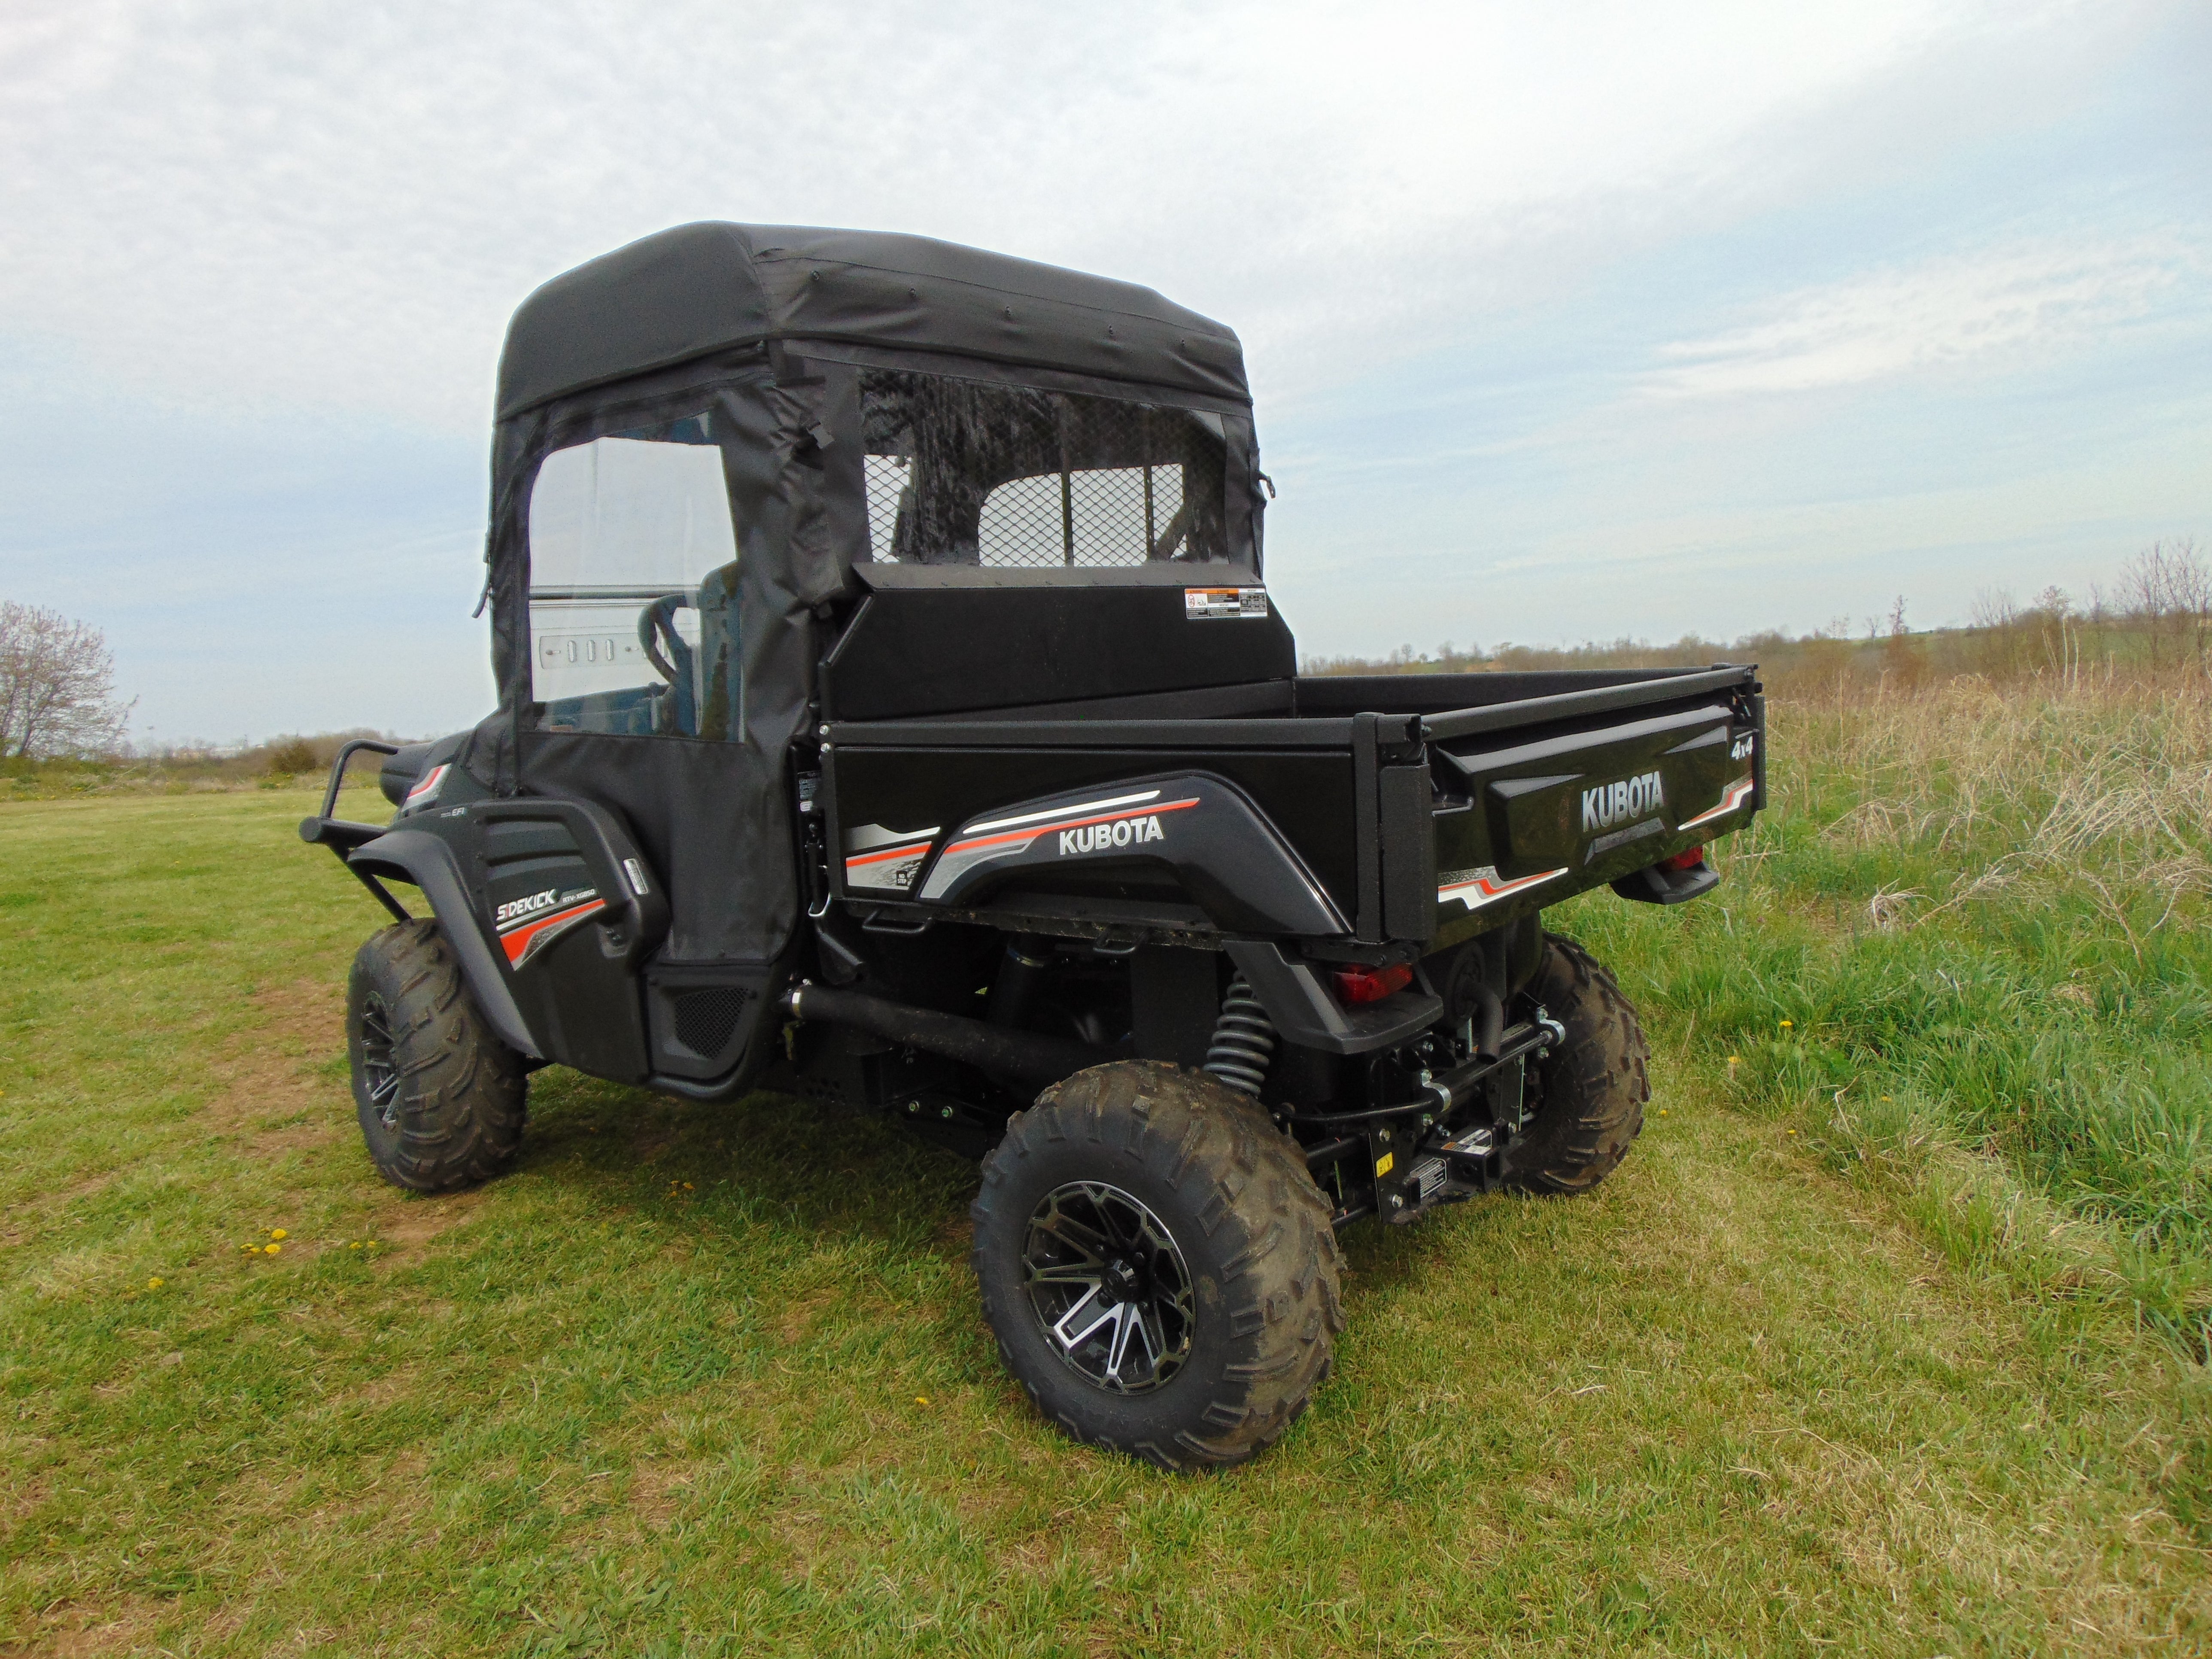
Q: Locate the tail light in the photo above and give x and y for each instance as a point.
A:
(1358, 985)
(1689, 861)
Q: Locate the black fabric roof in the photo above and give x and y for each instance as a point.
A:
(702, 288)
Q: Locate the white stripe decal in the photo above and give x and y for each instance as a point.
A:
(1074, 812)
(1731, 798)
(1486, 888)
(427, 791)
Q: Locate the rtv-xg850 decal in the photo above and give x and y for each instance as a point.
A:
(886, 860)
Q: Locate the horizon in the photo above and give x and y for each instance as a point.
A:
(1561, 329)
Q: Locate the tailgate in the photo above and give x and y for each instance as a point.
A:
(1532, 810)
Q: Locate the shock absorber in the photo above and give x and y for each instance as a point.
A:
(1244, 1040)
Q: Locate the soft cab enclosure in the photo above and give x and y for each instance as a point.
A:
(845, 586)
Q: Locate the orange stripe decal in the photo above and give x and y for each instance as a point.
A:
(518, 942)
(889, 852)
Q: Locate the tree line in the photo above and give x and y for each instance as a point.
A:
(2152, 623)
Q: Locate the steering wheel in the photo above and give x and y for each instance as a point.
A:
(656, 627)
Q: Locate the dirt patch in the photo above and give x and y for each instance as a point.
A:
(798, 1318)
(407, 1221)
(658, 1491)
(125, 1625)
(267, 1072)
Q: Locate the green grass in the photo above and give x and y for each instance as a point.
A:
(1806, 1373)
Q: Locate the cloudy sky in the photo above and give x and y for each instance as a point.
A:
(1570, 320)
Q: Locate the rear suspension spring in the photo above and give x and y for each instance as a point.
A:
(1244, 1040)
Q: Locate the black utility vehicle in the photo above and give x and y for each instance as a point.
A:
(892, 711)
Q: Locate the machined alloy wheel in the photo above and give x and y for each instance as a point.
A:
(379, 1077)
(1158, 1265)
(1109, 1286)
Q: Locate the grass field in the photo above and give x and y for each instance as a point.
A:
(1886, 1339)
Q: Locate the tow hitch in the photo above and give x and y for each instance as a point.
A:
(1444, 1146)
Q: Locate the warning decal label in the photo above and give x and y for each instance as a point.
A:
(1224, 604)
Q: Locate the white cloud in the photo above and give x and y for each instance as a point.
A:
(320, 204)
(2042, 299)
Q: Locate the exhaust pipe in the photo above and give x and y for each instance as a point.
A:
(1021, 1056)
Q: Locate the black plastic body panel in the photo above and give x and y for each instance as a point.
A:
(430, 863)
(1306, 1012)
(1186, 836)
(1304, 795)
(941, 639)
(552, 911)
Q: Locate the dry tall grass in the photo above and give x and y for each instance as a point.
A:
(1971, 918)
(2099, 790)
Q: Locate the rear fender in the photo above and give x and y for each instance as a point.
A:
(1221, 850)
(413, 855)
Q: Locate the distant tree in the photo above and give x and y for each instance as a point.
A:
(2163, 588)
(292, 755)
(1900, 662)
(2189, 593)
(57, 685)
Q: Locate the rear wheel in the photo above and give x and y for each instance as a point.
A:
(440, 1099)
(1589, 1091)
(1158, 1265)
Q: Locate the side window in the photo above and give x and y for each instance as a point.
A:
(634, 626)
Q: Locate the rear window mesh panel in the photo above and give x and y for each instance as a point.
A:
(887, 481)
(970, 472)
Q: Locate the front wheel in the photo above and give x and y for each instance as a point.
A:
(440, 1097)
(1590, 1091)
(1157, 1264)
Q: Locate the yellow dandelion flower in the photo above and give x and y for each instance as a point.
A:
(1735, 1060)
(273, 1250)
(922, 1400)
(1790, 1132)
(156, 1284)
(278, 1232)
(353, 1244)
(1788, 1023)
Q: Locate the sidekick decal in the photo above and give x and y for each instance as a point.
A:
(1476, 888)
(527, 925)
(1731, 798)
(886, 860)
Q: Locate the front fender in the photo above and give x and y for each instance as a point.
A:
(416, 856)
